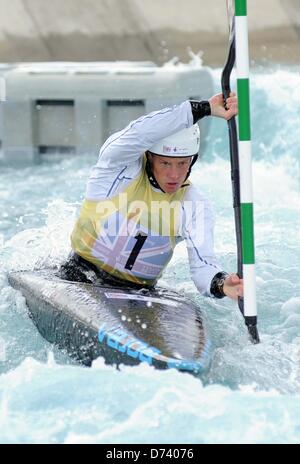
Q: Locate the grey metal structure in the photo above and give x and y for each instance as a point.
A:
(74, 107)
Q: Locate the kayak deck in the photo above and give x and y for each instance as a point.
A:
(123, 325)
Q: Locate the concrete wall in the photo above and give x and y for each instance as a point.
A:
(157, 30)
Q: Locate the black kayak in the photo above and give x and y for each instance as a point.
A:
(123, 325)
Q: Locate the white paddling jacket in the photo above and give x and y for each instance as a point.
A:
(129, 228)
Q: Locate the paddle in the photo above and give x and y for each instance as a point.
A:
(240, 159)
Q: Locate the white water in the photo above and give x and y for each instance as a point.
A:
(251, 393)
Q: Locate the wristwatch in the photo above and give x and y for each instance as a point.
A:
(217, 284)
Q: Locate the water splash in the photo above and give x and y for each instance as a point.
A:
(251, 393)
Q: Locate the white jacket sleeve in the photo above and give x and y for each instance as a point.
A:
(120, 158)
(198, 232)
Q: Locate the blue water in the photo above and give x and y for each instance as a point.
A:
(251, 394)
